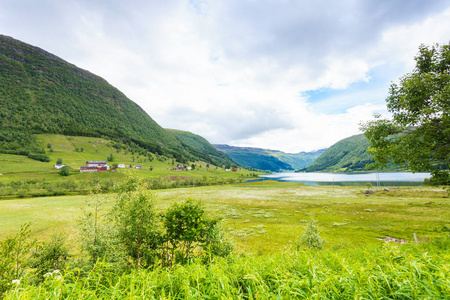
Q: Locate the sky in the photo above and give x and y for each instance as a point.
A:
(276, 74)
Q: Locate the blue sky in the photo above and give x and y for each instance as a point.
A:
(285, 75)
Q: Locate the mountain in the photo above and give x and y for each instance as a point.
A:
(346, 155)
(268, 160)
(41, 93)
(297, 160)
(201, 145)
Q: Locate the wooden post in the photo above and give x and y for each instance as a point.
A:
(415, 238)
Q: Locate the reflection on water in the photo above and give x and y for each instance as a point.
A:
(381, 179)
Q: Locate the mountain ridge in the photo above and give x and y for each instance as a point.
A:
(266, 159)
(42, 93)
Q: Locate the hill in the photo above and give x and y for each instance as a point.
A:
(348, 154)
(297, 160)
(201, 145)
(268, 160)
(42, 93)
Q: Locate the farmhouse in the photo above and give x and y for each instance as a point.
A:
(179, 168)
(94, 166)
(86, 169)
(101, 163)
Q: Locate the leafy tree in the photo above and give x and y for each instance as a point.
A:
(64, 171)
(188, 230)
(418, 136)
(99, 238)
(59, 161)
(136, 221)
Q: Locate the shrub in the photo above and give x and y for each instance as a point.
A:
(188, 230)
(136, 221)
(50, 255)
(14, 257)
(311, 237)
(64, 171)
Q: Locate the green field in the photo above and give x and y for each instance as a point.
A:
(267, 216)
(264, 221)
(75, 151)
(21, 176)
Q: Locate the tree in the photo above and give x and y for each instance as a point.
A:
(98, 235)
(188, 230)
(418, 135)
(64, 171)
(111, 158)
(136, 221)
(59, 161)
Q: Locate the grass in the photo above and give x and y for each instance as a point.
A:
(16, 168)
(265, 221)
(267, 218)
(388, 272)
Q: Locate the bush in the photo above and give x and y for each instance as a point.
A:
(188, 230)
(50, 255)
(311, 236)
(64, 171)
(38, 156)
(14, 257)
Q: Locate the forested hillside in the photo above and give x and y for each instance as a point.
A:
(346, 155)
(41, 93)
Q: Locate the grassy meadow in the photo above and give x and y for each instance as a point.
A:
(264, 220)
(265, 217)
(75, 151)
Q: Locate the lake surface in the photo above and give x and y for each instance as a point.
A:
(382, 179)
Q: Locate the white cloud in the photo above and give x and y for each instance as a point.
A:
(236, 71)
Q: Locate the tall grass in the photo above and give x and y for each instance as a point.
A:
(391, 271)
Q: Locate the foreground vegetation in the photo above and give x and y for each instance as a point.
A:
(266, 222)
(389, 272)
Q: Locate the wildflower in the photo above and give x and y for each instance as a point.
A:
(16, 281)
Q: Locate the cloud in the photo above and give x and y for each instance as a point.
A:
(286, 75)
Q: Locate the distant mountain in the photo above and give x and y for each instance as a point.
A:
(202, 146)
(346, 155)
(268, 160)
(41, 93)
(297, 160)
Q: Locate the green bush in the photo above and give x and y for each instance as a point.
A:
(64, 171)
(311, 237)
(50, 255)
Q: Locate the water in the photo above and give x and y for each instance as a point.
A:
(382, 179)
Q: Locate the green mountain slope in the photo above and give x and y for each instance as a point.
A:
(202, 146)
(346, 155)
(41, 93)
(268, 160)
(297, 160)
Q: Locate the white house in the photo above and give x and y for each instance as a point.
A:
(59, 166)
